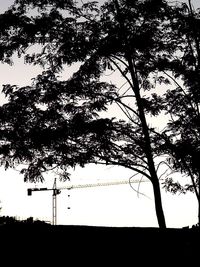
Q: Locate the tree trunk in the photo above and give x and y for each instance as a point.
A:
(158, 203)
(148, 148)
(198, 198)
(144, 126)
(151, 165)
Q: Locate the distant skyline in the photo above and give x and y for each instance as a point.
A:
(109, 206)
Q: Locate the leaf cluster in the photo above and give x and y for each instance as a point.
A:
(55, 123)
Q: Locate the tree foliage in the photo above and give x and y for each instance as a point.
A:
(56, 123)
(183, 102)
(68, 111)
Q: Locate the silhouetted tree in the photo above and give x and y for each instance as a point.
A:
(182, 133)
(58, 123)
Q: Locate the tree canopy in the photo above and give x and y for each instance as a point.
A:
(183, 101)
(57, 123)
(70, 109)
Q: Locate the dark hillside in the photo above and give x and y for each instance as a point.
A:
(45, 244)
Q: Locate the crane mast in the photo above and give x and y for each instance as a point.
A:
(54, 203)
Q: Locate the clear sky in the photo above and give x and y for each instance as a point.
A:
(113, 205)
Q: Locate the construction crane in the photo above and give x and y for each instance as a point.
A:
(57, 191)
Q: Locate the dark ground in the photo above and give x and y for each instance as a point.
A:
(45, 245)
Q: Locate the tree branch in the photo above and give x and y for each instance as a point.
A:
(122, 73)
(120, 60)
(110, 162)
(168, 75)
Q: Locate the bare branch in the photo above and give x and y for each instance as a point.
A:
(127, 114)
(110, 162)
(121, 86)
(122, 73)
(137, 191)
(120, 60)
(127, 91)
(118, 99)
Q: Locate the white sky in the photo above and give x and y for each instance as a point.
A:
(113, 205)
